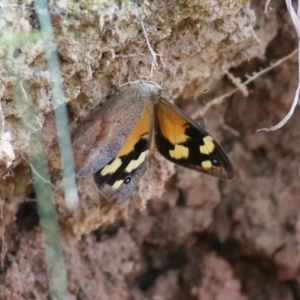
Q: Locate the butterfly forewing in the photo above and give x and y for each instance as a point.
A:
(184, 142)
(118, 178)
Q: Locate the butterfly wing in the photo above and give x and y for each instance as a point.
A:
(97, 141)
(118, 178)
(184, 142)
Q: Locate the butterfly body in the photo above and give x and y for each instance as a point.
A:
(115, 142)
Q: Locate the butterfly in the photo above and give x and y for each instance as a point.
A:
(115, 142)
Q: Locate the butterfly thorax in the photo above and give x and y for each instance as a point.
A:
(146, 91)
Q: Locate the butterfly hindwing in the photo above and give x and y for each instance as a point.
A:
(103, 133)
(118, 178)
(184, 142)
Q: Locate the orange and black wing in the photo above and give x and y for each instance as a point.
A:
(184, 142)
(118, 178)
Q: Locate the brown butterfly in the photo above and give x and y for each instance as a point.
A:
(115, 142)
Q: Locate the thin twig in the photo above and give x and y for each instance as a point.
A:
(8, 5)
(220, 99)
(3, 250)
(237, 83)
(267, 6)
(152, 52)
(296, 22)
(231, 130)
(1, 114)
(41, 177)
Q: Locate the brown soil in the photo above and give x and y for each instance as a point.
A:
(182, 235)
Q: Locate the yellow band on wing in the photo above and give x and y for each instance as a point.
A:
(135, 163)
(117, 184)
(112, 167)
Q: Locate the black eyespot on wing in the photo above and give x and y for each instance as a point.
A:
(216, 162)
(127, 180)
